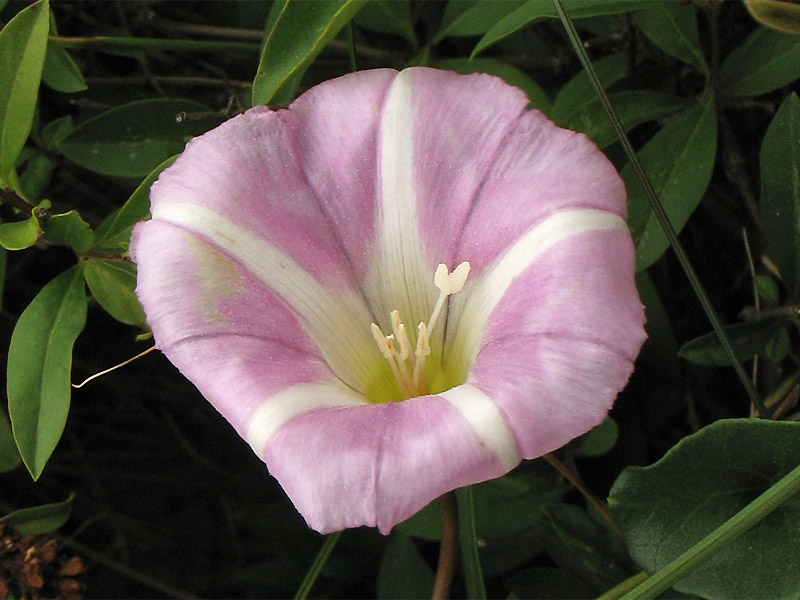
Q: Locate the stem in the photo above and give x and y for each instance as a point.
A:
(660, 213)
(351, 47)
(107, 41)
(575, 481)
(447, 549)
(624, 586)
(468, 540)
(316, 567)
(715, 541)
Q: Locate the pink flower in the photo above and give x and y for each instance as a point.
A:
(280, 238)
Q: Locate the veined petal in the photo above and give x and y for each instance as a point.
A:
(246, 172)
(470, 313)
(540, 170)
(560, 343)
(219, 325)
(334, 319)
(382, 463)
(335, 131)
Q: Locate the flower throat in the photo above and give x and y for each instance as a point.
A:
(409, 367)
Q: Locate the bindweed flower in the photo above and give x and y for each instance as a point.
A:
(402, 284)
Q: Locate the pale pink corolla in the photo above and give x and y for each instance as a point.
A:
(280, 237)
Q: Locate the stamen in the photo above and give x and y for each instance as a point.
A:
(409, 369)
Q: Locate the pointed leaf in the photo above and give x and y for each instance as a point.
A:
(388, 16)
(403, 572)
(36, 177)
(60, 71)
(55, 131)
(748, 340)
(578, 91)
(673, 28)
(766, 61)
(473, 17)
(116, 229)
(299, 31)
(23, 42)
(133, 139)
(534, 11)
(37, 520)
(679, 160)
(780, 191)
(666, 508)
(112, 284)
(39, 365)
(633, 107)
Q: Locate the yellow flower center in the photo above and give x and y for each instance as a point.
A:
(409, 367)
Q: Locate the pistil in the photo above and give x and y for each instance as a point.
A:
(408, 368)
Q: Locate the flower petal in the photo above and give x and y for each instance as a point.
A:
(377, 465)
(219, 325)
(561, 342)
(540, 170)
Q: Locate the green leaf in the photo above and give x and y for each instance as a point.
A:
(55, 131)
(578, 91)
(659, 354)
(116, 229)
(36, 177)
(9, 455)
(581, 546)
(133, 139)
(112, 284)
(633, 108)
(778, 347)
(778, 14)
(3, 261)
(39, 365)
(679, 160)
(403, 572)
(534, 11)
(463, 18)
(599, 440)
(23, 42)
(780, 191)
(673, 28)
(425, 524)
(536, 95)
(68, 229)
(37, 520)
(748, 339)
(666, 508)
(388, 16)
(18, 235)
(766, 61)
(468, 542)
(765, 285)
(60, 71)
(298, 33)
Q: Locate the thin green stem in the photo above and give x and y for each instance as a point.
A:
(624, 586)
(448, 549)
(468, 540)
(351, 47)
(316, 567)
(715, 541)
(107, 41)
(660, 213)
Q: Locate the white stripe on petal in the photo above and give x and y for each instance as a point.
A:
(470, 312)
(486, 420)
(292, 402)
(401, 279)
(338, 321)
